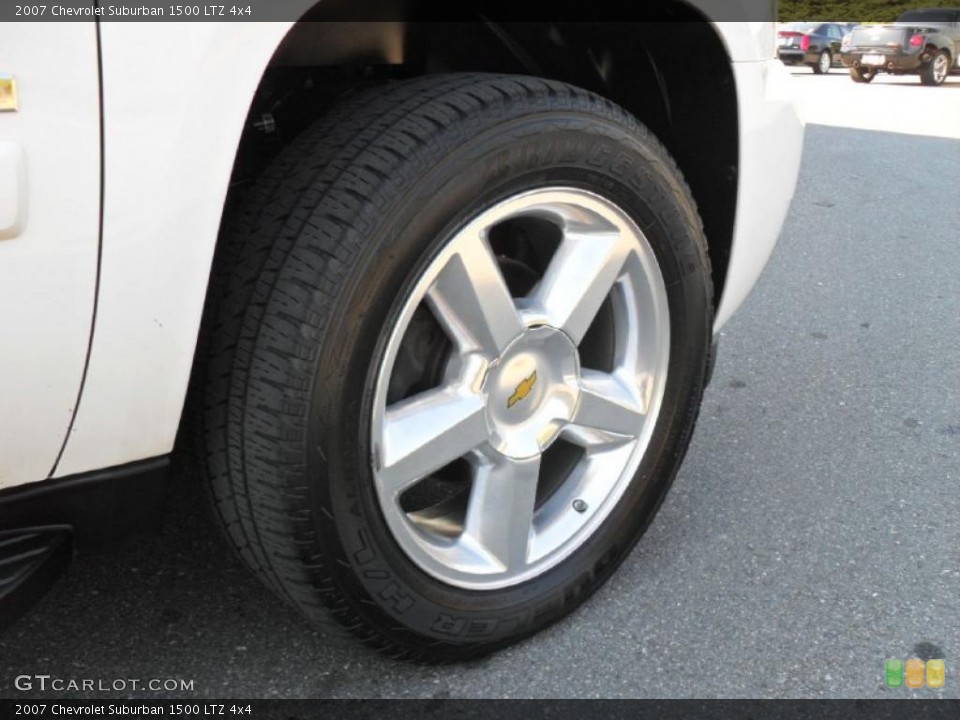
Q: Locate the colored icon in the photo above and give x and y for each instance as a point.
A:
(898, 673)
(936, 673)
(894, 673)
(914, 673)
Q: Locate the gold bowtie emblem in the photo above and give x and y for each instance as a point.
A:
(522, 390)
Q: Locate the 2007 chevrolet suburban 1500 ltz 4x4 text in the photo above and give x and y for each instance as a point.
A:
(432, 304)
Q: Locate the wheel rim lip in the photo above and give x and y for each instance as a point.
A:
(940, 66)
(644, 279)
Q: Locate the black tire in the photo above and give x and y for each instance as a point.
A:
(311, 268)
(862, 74)
(928, 71)
(818, 68)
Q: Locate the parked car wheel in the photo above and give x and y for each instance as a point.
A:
(459, 354)
(937, 70)
(824, 63)
(863, 74)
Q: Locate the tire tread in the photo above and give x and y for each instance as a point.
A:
(284, 256)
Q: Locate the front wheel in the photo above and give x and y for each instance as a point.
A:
(862, 74)
(461, 354)
(936, 71)
(824, 63)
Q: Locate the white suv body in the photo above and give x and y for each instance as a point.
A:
(175, 98)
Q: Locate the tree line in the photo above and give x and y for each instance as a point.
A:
(853, 10)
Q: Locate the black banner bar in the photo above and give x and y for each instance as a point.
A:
(482, 709)
(380, 10)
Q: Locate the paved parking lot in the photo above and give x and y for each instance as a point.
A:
(889, 103)
(813, 532)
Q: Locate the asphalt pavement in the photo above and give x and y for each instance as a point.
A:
(813, 532)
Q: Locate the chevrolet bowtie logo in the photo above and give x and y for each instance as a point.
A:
(522, 390)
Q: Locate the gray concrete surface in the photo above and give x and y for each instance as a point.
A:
(813, 532)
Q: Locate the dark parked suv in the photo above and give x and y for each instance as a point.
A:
(921, 42)
(816, 44)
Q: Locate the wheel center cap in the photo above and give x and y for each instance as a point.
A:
(532, 391)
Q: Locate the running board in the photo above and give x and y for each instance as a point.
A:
(31, 561)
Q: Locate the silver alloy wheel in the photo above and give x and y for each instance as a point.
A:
(826, 62)
(941, 68)
(513, 385)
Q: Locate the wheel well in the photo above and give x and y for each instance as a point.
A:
(933, 50)
(674, 76)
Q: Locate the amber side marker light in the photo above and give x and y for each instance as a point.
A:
(8, 93)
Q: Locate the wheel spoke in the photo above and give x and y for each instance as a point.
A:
(427, 432)
(579, 278)
(500, 514)
(472, 301)
(513, 387)
(608, 413)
